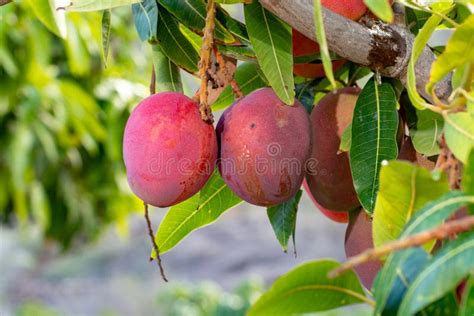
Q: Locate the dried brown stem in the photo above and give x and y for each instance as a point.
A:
(155, 246)
(451, 165)
(153, 81)
(234, 85)
(443, 231)
(205, 62)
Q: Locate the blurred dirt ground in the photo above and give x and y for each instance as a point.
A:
(114, 277)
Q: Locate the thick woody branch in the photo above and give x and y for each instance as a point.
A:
(382, 47)
(441, 232)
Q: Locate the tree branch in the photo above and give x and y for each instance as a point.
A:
(443, 231)
(3, 2)
(382, 47)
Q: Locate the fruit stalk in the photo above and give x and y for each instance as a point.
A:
(155, 246)
(204, 63)
(441, 232)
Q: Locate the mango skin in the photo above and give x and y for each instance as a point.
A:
(351, 9)
(169, 151)
(358, 239)
(303, 46)
(263, 148)
(330, 177)
(338, 217)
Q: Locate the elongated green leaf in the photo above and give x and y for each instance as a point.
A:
(192, 13)
(271, 40)
(106, 27)
(240, 52)
(248, 79)
(427, 131)
(167, 74)
(52, 19)
(237, 28)
(436, 212)
(458, 51)
(381, 8)
(398, 273)
(306, 289)
(418, 45)
(200, 210)
(468, 179)
(467, 299)
(404, 189)
(441, 275)
(374, 132)
(321, 38)
(145, 16)
(459, 133)
(446, 305)
(96, 5)
(283, 219)
(174, 44)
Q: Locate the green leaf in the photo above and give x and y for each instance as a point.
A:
(237, 28)
(435, 213)
(418, 45)
(468, 179)
(192, 13)
(52, 19)
(442, 274)
(167, 74)
(346, 139)
(321, 38)
(271, 40)
(174, 44)
(374, 138)
(458, 51)
(240, 52)
(404, 189)
(145, 16)
(427, 131)
(283, 219)
(106, 27)
(397, 274)
(381, 8)
(248, 79)
(307, 289)
(459, 133)
(467, 299)
(446, 305)
(200, 210)
(96, 5)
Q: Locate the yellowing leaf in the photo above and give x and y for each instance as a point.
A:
(404, 189)
(460, 50)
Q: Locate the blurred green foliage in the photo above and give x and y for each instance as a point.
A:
(209, 299)
(62, 115)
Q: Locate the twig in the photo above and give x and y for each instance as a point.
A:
(443, 231)
(234, 85)
(3, 2)
(204, 63)
(155, 246)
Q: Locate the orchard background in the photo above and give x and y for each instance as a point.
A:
(378, 118)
